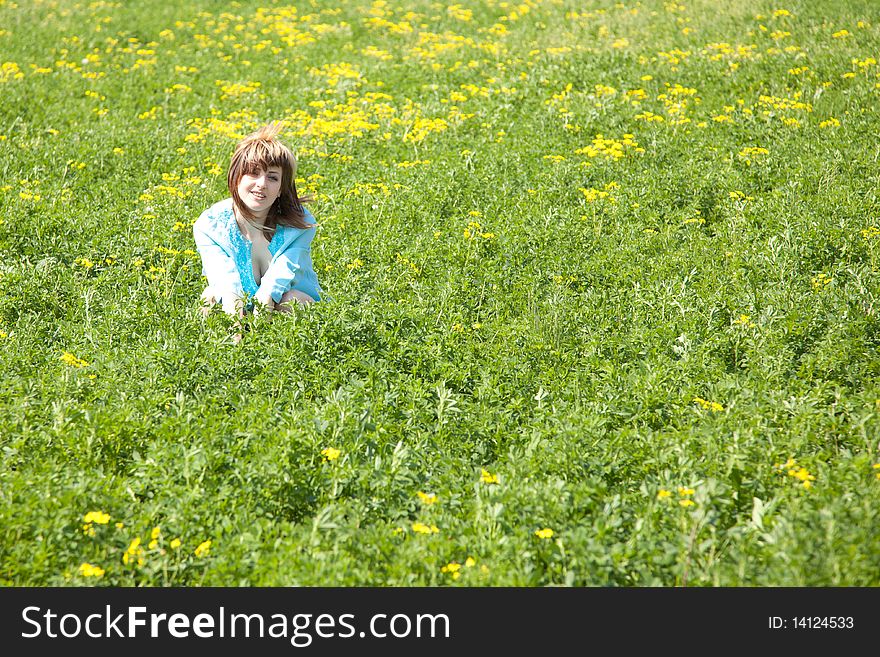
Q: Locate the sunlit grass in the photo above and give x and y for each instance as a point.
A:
(602, 295)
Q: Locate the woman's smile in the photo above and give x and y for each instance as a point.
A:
(259, 189)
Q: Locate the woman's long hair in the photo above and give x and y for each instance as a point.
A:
(257, 152)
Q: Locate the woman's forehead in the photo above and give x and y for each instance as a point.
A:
(261, 166)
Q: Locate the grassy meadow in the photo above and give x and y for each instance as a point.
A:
(602, 291)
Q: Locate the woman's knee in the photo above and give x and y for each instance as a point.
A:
(291, 297)
(297, 296)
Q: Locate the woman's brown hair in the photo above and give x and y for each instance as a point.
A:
(257, 152)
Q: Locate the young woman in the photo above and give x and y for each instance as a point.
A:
(256, 245)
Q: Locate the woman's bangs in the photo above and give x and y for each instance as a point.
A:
(261, 155)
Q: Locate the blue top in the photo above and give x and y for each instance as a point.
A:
(226, 258)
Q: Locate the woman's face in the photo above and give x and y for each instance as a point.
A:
(259, 189)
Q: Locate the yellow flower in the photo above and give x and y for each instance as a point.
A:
(820, 280)
(686, 503)
(134, 553)
(453, 569)
(487, 478)
(97, 516)
(744, 320)
(470, 562)
(203, 548)
(330, 453)
(88, 570)
(709, 406)
(175, 543)
(421, 528)
(544, 533)
(685, 492)
(801, 474)
(792, 469)
(662, 494)
(69, 359)
(427, 498)
(751, 152)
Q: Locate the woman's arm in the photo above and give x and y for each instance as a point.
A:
(284, 267)
(279, 277)
(219, 267)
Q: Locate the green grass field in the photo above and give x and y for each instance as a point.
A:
(603, 295)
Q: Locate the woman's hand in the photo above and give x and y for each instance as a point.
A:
(263, 301)
(260, 308)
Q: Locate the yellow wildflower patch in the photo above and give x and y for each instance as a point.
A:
(487, 477)
(330, 453)
(820, 280)
(708, 405)
(744, 321)
(98, 517)
(610, 148)
(134, 553)
(795, 471)
(592, 194)
(88, 570)
(453, 569)
(69, 359)
(751, 153)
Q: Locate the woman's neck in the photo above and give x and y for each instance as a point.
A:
(257, 222)
(250, 229)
